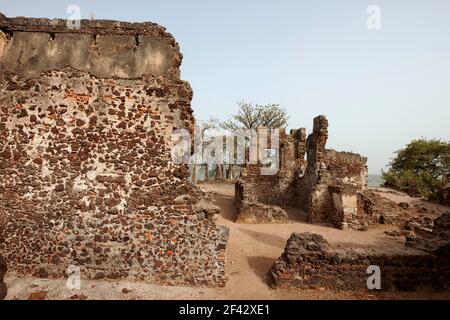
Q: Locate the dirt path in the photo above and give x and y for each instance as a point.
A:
(252, 249)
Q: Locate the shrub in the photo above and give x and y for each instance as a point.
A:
(422, 169)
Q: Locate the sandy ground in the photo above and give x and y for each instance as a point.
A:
(251, 251)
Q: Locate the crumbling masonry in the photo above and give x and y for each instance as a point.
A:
(325, 184)
(86, 177)
(308, 261)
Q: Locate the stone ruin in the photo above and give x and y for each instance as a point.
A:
(326, 184)
(331, 188)
(86, 117)
(3, 269)
(309, 262)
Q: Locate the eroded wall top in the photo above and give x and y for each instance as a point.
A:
(103, 48)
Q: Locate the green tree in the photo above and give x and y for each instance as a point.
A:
(422, 168)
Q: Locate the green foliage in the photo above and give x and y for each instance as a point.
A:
(422, 168)
(251, 116)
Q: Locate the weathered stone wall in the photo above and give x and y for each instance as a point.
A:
(259, 198)
(105, 49)
(437, 241)
(85, 165)
(328, 190)
(309, 262)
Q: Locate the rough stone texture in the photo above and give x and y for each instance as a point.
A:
(325, 185)
(328, 190)
(250, 205)
(344, 209)
(85, 164)
(309, 262)
(379, 208)
(437, 241)
(412, 218)
(3, 269)
(259, 198)
(257, 212)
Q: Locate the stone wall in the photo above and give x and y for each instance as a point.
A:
(103, 48)
(437, 241)
(86, 118)
(325, 185)
(328, 190)
(260, 198)
(309, 262)
(3, 269)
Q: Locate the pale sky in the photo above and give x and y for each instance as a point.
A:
(379, 88)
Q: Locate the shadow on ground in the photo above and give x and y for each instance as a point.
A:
(227, 211)
(266, 238)
(260, 266)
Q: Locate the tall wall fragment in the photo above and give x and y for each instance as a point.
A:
(261, 198)
(86, 117)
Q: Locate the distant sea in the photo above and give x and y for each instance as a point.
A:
(375, 180)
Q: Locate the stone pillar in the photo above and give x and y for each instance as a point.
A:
(316, 143)
(86, 170)
(300, 146)
(313, 195)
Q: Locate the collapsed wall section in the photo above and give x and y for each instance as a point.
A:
(86, 118)
(325, 185)
(328, 191)
(261, 198)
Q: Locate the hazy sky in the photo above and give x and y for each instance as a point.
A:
(379, 88)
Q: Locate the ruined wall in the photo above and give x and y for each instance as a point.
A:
(328, 191)
(347, 177)
(309, 262)
(260, 198)
(325, 185)
(437, 241)
(86, 118)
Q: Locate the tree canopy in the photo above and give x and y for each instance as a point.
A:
(422, 168)
(251, 116)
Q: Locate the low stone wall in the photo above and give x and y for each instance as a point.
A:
(250, 210)
(309, 262)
